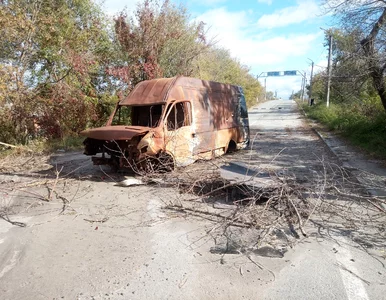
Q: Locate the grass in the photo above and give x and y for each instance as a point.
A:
(363, 125)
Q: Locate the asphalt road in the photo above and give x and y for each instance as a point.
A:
(103, 241)
(330, 266)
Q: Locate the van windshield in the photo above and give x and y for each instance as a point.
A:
(147, 116)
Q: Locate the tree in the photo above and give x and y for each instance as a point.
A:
(270, 95)
(365, 22)
(218, 65)
(158, 41)
(53, 53)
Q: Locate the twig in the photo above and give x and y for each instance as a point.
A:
(260, 266)
(6, 218)
(299, 217)
(352, 273)
(51, 191)
(368, 199)
(105, 219)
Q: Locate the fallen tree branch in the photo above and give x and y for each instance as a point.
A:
(9, 145)
(15, 147)
(201, 212)
(368, 199)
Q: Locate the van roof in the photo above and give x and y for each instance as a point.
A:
(156, 91)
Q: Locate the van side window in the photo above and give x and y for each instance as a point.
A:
(179, 116)
(243, 107)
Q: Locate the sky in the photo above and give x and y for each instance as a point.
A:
(266, 35)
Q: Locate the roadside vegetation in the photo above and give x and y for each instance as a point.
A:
(65, 64)
(358, 86)
(363, 130)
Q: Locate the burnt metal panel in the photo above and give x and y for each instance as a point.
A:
(110, 133)
(215, 108)
(149, 92)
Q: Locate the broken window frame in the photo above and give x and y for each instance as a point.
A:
(119, 117)
(151, 120)
(186, 112)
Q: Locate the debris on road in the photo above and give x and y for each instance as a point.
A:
(130, 181)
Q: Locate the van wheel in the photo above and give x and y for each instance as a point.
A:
(232, 147)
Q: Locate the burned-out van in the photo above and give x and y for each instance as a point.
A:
(182, 119)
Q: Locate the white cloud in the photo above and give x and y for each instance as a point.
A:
(269, 2)
(263, 52)
(320, 66)
(234, 31)
(208, 2)
(304, 11)
(221, 18)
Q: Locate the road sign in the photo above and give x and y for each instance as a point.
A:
(290, 73)
(273, 73)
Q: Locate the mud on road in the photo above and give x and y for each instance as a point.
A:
(70, 230)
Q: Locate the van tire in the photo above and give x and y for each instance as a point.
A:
(232, 146)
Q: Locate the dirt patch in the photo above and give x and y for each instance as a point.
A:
(24, 162)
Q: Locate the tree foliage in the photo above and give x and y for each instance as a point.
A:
(359, 48)
(52, 53)
(218, 65)
(159, 41)
(64, 63)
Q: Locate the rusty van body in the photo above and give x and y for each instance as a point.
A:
(181, 118)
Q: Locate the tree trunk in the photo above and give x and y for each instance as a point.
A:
(376, 70)
(379, 84)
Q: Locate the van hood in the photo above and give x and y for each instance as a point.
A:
(109, 133)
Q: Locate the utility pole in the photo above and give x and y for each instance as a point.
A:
(265, 89)
(302, 87)
(312, 71)
(329, 67)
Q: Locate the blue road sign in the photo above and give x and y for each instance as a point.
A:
(273, 73)
(290, 73)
